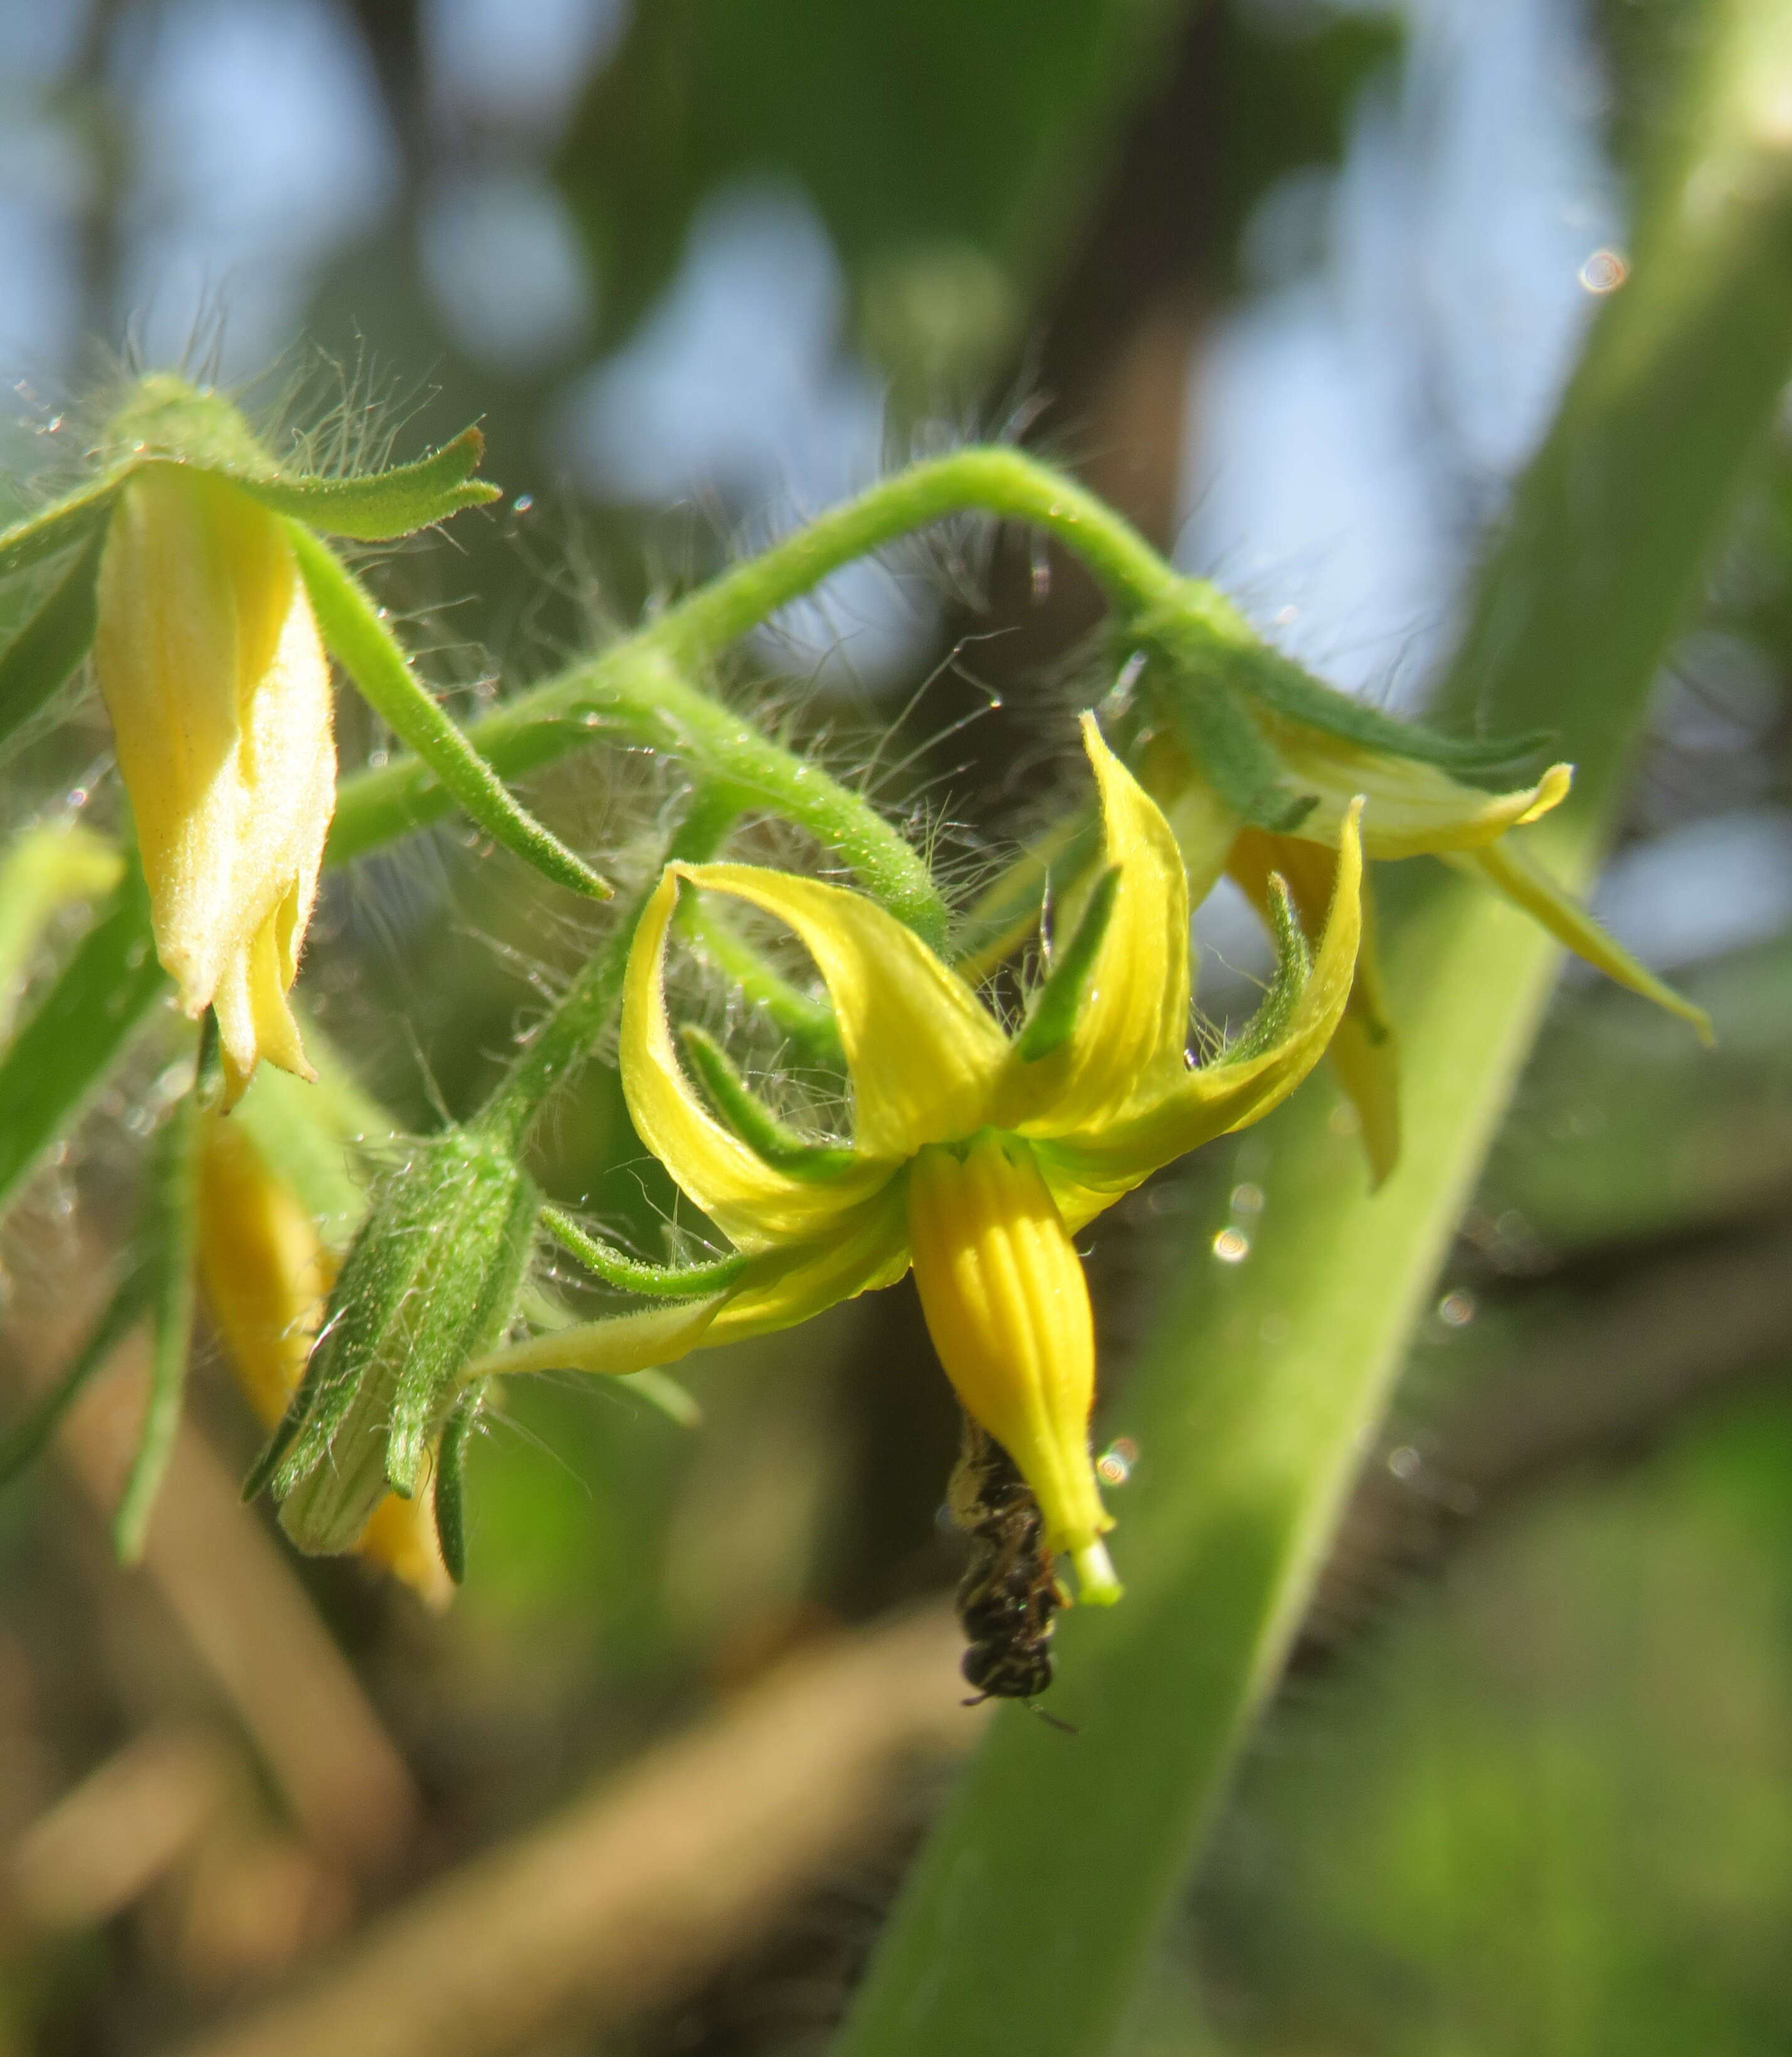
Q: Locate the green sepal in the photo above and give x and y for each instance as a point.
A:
(46, 652)
(1212, 723)
(23, 1443)
(431, 1282)
(1286, 690)
(167, 421)
(356, 635)
(79, 1029)
(61, 525)
(774, 1141)
(451, 1460)
(167, 1241)
(384, 505)
(1053, 1019)
(631, 1275)
(1294, 965)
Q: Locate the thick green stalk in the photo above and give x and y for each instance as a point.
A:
(1033, 1912)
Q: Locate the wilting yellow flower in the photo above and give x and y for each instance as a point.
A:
(976, 1156)
(1413, 809)
(215, 675)
(266, 1275)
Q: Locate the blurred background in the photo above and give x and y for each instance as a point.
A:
(1297, 284)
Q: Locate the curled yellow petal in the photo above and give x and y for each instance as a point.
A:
(214, 674)
(1090, 1171)
(1007, 1307)
(1413, 809)
(1511, 871)
(924, 1053)
(1131, 1032)
(757, 1208)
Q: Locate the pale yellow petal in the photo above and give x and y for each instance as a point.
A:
(1091, 1172)
(757, 1208)
(1413, 809)
(263, 1268)
(1130, 1038)
(214, 673)
(924, 1053)
(1511, 871)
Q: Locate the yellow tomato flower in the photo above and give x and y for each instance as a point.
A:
(977, 1154)
(266, 1275)
(214, 674)
(1413, 809)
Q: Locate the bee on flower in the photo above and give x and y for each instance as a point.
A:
(977, 1154)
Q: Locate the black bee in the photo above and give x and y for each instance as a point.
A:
(1009, 1593)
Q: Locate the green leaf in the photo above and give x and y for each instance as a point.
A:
(78, 1031)
(44, 654)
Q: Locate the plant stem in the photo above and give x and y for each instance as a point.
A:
(1035, 1907)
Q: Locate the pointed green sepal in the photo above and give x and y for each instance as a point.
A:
(61, 525)
(1053, 1019)
(1211, 721)
(1286, 690)
(451, 1460)
(45, 653)
(356, 635)
(781, 1146)
(631, 1275)
(384, 504)
(164, 420)
(1294, 964)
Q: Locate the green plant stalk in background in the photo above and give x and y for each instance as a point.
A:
(1034, 1911)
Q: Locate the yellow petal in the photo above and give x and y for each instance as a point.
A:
(1202, 823)
(266, 1275)
(924, 1053)
(1131, 1035)
(756, 1206)
(1511, 871)
(213, 670)
(1413, 809)
(1007, 1307)
(1363, 1052)
(1091, 1172)
(263, 1270)
(400, 1538)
